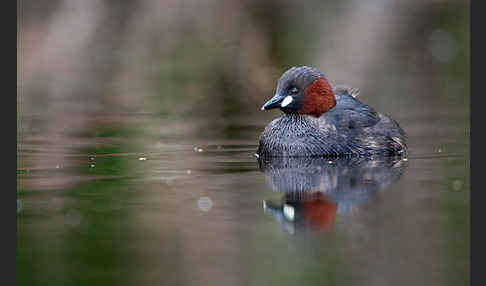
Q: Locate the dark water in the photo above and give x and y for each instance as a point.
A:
(210, 213)
(136, 145)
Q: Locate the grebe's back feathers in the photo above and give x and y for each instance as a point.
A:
(349, 112)
(352, 91)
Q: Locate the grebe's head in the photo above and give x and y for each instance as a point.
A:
(302, 90)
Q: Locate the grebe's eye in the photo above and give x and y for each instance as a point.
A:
(294, 90)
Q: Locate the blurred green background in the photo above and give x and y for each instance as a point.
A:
(131, 112)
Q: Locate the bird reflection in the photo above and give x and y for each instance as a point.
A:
(316, 190)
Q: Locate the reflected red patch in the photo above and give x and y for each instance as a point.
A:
(320, 213)
(318, 98)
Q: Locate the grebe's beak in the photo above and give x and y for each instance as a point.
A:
(275, 102)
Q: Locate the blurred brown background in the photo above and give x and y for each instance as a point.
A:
(79, 60)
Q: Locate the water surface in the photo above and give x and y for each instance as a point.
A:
(208, 212)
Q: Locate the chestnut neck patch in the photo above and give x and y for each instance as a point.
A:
(318, 98)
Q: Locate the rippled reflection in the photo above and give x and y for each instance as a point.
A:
(316, 190)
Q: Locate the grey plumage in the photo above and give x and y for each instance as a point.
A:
(350, 128)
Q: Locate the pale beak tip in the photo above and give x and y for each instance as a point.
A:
(263, 108)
